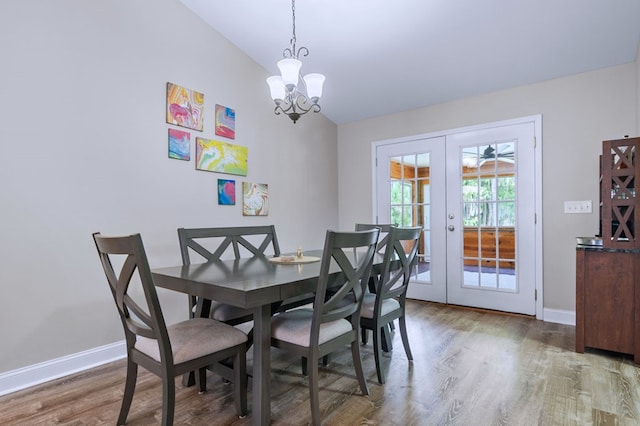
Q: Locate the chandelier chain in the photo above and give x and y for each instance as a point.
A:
(293, 14)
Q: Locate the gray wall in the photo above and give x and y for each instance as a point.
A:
(85, 149)
(578, 113)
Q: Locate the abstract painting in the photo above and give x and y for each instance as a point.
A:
(185, 107)
(221, 157)
(225, 122)
(227, 192)
(255, 199)
(179, 144)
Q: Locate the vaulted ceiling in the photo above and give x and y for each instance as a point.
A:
(382, 57)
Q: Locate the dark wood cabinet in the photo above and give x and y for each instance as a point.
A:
(608, 300)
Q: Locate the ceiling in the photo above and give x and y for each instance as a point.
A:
(382, 57)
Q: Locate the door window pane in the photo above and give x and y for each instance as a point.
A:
(488, 209)
(410, 202)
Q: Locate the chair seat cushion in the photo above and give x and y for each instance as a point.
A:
(193, 339)
(223, 312)
(295, 327)
(368, 303)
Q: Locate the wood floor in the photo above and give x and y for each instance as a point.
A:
(469, 368)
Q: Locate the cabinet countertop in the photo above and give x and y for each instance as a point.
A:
(606, 249)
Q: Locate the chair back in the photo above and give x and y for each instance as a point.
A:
(352, 253)
(139, 317)
(253, 240)
(399, 257)
(384, 232)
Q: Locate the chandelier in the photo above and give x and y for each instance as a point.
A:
(291, 98)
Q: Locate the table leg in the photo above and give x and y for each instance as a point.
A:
(261, 365)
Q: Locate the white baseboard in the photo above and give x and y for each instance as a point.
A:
(32, 375)
(560, 316)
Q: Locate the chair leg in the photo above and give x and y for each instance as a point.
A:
(314, 391)
(240, 382)
(168, 399)
(129, 388)
(325, 360)
(405, 338)
(357, 362)
(363, 333)
(305, 362)
(188, 379)
(249, 339)
(377, 343)
(387, 343)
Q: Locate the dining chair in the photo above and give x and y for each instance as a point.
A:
(373, 281)
(166, 351)
(384, 232)
(388, 301)
(216, 243)
(333, 321)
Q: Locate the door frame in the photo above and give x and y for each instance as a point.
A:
(537, 124)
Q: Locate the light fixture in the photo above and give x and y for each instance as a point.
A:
(291, 98)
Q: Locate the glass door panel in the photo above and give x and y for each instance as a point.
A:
(407, 171)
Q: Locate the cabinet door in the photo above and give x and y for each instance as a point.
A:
(609, 301)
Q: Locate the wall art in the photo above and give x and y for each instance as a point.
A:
(185, 107)
(179, 144)
(221, 157)
(255, 199)
(225, 122)
(226, 192)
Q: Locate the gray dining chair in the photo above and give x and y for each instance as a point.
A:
(384, 232)
(166, 351)
(232, 242)
(373, 281)
(388, 302)
(333, 322)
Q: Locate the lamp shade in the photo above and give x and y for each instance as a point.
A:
(290, 70)
(276, 86)
(314, 84)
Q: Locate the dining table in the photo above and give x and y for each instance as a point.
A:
(256, 283)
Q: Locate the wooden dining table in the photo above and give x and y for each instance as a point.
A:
(254, 283)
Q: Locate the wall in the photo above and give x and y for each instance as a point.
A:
(578, 113)
(85, 149)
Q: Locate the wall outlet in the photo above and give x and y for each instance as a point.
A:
(577, 206)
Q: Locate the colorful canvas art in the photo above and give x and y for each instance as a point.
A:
(179, 144)
(255, 199)
(226, 192)
(221, 157)
(185, 107)
(225, 122)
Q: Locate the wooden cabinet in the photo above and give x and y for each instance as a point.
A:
(608, 300)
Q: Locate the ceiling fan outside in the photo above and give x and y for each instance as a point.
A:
(490, 153)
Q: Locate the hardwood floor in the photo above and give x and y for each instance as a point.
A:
(470, 368)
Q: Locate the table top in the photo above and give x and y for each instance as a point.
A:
(246, 283)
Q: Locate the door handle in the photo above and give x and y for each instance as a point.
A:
(451, 227)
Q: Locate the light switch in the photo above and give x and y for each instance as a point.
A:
(577, 206)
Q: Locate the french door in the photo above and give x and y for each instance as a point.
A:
(411, 191)
(474, 194)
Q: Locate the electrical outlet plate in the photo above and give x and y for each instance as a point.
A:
(577, 206)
